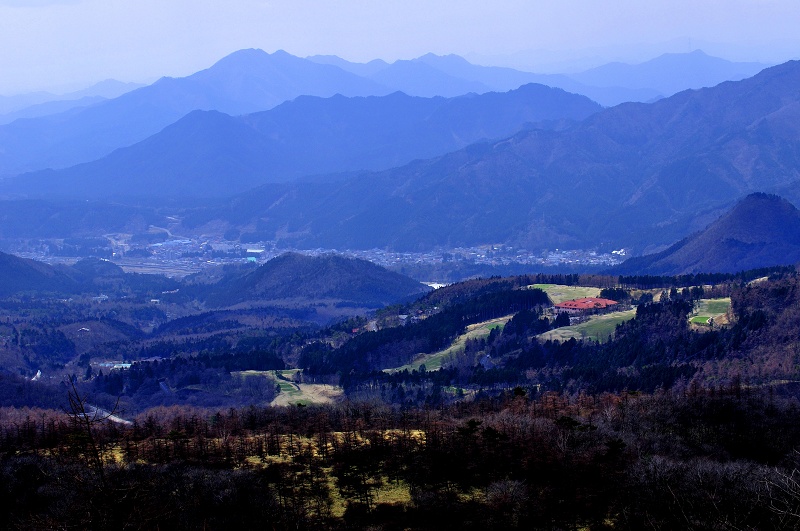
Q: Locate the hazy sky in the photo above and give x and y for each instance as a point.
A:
(45, 44)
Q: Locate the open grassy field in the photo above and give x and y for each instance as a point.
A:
(707, 309)
(597, 328)
(434, 361)
(559, 293)
(294, 393)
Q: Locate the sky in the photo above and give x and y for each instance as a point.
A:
(68, 44)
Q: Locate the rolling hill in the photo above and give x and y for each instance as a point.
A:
(297, 277)
(290, 278)
(23, 275)
(760, 231)
(87, 276)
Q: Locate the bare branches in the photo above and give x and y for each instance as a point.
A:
(85, 418)
(783, 491)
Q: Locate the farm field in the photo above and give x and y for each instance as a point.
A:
(708, 309)
(434, 361)
(559, 293)
(598, 327)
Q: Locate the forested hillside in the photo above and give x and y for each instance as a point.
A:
(670, 460)
(666, 423)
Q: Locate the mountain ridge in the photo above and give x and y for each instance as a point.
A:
(248, 81)
(211, 154)
(670, 73)
(635, 175)
(72, 137)
(290, 277)
(452, 71)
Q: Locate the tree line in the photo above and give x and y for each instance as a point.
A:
(688, 458)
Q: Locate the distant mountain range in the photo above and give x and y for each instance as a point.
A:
(245, 81)
(249, 81)
(453, 75)
(760, 231)
(41, 104)
(49, 108)
(108, 89)
(634, 175)
(669, 73)
(210, 154)
(609, 84)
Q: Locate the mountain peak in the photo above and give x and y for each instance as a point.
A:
(245, 53)
(760, 217)
(247, 58)
(241, 58)
(761, 230)
(432, 58)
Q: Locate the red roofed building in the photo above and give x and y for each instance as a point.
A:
(585, 305)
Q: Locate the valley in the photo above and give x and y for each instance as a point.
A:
(301, 329)
(181, 256)
(534, 168)
(312, 293)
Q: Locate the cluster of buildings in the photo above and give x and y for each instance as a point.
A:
(494, 255)
(179, 256)
(586, 305)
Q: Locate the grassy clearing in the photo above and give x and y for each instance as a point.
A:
(598, 327)
(715, 306)
(434, 361)
(559, 293)
(293, 393)
(707, 309)
(390, 492)
(393, 492)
